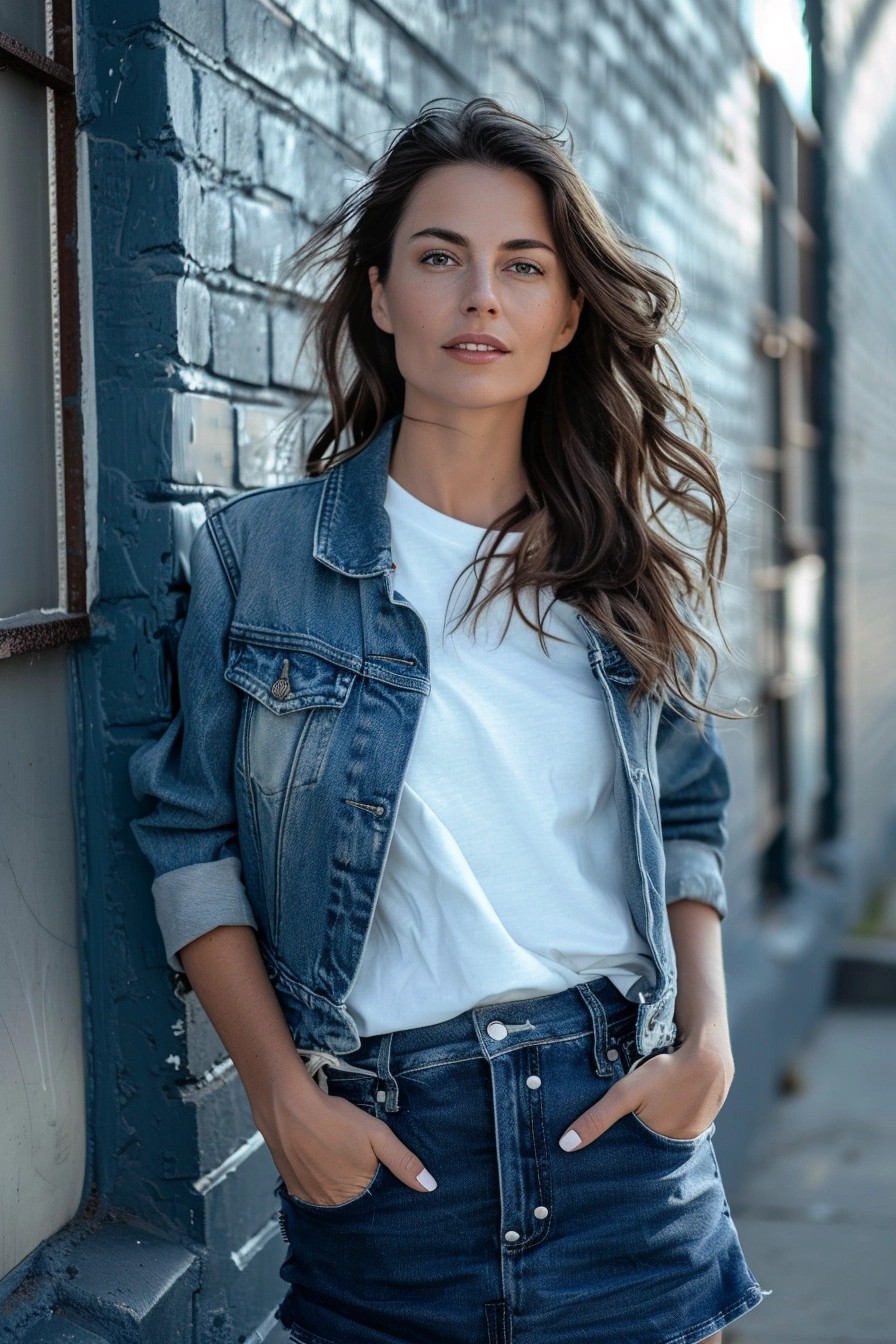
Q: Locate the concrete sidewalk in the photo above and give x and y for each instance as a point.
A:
(817, 1218)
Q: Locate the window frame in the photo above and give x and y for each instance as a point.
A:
(790, 337)
(31, 631)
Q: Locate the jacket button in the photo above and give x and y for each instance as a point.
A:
(613, 1055)
(281, 687)
(540, 1212)
(511, 1236)
(533, 1081)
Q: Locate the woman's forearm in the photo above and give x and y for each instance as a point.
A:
(325, 1148)
(700, 1007)
(225, 968)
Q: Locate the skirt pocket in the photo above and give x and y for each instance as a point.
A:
(294, 1201)
(668, 1139)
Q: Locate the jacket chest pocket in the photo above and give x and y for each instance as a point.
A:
(293, 701)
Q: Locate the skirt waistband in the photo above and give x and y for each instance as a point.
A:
(492, 1029)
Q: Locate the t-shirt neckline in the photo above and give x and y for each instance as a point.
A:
(443, 525)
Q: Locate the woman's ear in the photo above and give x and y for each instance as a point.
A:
(379, 309)
(571, 325)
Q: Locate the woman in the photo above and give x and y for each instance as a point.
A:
(455, 847)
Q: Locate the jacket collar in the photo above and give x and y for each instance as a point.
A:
(352, 533)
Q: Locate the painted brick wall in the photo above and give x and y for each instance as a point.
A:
(219, 133)
(861, 44)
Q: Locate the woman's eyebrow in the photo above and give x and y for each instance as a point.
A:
(458, 239)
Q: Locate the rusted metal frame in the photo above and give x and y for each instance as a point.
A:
(69, 320)
(34, 63)
(31, 633)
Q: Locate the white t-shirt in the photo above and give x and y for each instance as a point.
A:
(504, 877)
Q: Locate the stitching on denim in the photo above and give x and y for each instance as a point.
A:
(747, 1300)
(306, 1337)
(254, 823)
(329, 500)
(497, 1322)
(437, 1064)
(536, 1104)
(218, 534)
(547, 1198)
(465, 1059)
(346, 1203)
(282, 827)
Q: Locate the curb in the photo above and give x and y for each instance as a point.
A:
(865, 973)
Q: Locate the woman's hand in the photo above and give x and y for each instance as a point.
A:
(677, 1095)
(327, 1150)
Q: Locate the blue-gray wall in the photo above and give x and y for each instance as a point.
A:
(217, 134)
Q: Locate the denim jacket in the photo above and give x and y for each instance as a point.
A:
(303, 674)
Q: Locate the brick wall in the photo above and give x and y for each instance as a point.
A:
(861, 43)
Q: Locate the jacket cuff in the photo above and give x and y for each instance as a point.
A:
(694, 873)
(192, 900)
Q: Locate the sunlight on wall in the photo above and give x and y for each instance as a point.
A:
(871, 98)
(780, 41)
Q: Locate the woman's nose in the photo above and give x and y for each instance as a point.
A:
(479, 293)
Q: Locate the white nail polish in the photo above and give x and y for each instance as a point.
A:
(427, 1181)
(570, 1140)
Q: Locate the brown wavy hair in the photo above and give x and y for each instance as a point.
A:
(617, 454)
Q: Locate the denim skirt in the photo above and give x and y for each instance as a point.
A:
(627, 1241)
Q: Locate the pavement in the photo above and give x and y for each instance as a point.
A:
(817, 1217)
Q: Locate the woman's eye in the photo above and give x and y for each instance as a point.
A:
(438, 257)
(533, 269)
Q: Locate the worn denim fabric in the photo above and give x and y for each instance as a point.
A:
(303, 674)
(628, 1241)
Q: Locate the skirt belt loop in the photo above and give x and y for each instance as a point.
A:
(602, 1066)
(384, 1073)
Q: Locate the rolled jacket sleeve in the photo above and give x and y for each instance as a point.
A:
(189, 836)
(694, 794)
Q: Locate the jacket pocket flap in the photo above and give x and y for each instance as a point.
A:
(286, 678)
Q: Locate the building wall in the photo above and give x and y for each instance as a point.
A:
(216, 136)
(860, 52)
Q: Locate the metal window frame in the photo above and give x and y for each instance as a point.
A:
(30, 631)
(792, 329)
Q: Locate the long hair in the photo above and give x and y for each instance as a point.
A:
(617, 454)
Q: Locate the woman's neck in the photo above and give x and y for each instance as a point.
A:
(467, 466)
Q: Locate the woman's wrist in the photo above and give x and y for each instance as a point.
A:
(705, 1032)
(709, 1052)
(291, 1096)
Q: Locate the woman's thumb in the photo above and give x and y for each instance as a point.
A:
(402, 1162)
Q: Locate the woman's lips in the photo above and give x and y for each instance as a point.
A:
(474, 356)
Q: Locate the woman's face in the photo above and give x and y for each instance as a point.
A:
(474, 262)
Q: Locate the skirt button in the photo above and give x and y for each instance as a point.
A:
(533, 1081)
(511, 1236)
(612, 1055)
(540, 1212)
(496, 1030)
